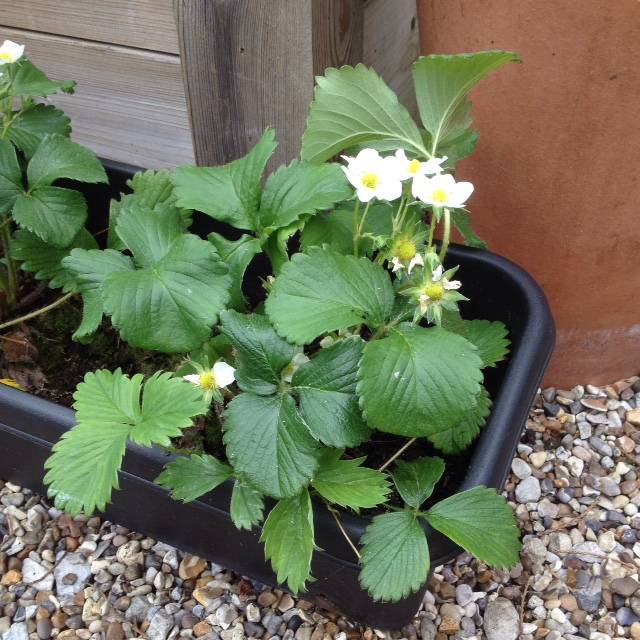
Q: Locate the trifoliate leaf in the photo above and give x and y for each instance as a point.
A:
(57, 157)
(348, 484)
(460, 436)
(152, 188)
(230, 193)
(326, 389)
(31, 126)
(237, 255)
(54, 214)
(482, 523)
(247, 506)
(90, 270)
(335, 228)
(324, 291)
(395, 556)
(353, 105)
(417, 381)
(269, 444)
(45, 260)
(29, 81)
(83, 468)
(10, 176)
(416, 480)
(299, 188)
(189, 477)
(490, 338)
(462, 222)
(442, 83)
(288, 539)
(261, 354)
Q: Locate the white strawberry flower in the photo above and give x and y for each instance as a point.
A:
(210, 381)
(373, 176)
(441, 190)
(406, 168)
(10, 52)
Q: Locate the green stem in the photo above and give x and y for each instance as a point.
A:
(432, 228)
(37, 312)
(358, 231)
(12, 273)
(397, 454)
(445, 235)
(399, 217)
(356, 211)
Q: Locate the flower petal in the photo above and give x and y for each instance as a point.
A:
(223, 373)
(397, 265)
(451, 284)
(436, 274)
(460, 193)
(193, 378)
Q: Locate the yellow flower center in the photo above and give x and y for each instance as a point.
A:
(439, 195)
(414, 166)
(5, 56)
(207, 381)
(404, 249)
(435, 291)
(370, 180)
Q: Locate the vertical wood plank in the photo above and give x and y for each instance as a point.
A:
(338, 33)
(248, 65)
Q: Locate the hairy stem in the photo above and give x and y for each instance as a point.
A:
(445, 235)
(336, 517)
(397, 454)
(432, 228)
(360, 227)
(37, 312)
(356, 211)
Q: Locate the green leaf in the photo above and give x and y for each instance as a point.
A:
(417, 479)
(348, 484)
(57, 157)
(442, 83)
(237, 255)
(459, 147)
(336, 228)
(177, 299)
(152, 188)
(247, 506)
(395, 556)
(261, 354)
(31, 126)
(326, 388)
(29, 81)
(297, 189)
(10, 176)
(45, 261)
(189, 477)
(458, 437)
(482, 523)
(277, 245)
(90, 269)
(269, 444)
(288, 538)
(324, 291)
(462, 222)
(353, 105)
(83, 468)
(146, 234)
(230, 193)
(418, 382)
(490, 338)
(54, 214)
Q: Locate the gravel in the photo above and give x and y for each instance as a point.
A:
(574, 485)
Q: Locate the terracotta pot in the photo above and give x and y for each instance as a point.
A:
(557, 166)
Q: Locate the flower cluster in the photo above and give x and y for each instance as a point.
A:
(374, 176)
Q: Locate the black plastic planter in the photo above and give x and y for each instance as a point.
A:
(498, 290)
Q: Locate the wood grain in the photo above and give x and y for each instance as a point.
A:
(129, 104)
(391, 44)
(248, 65)
(145, 24)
